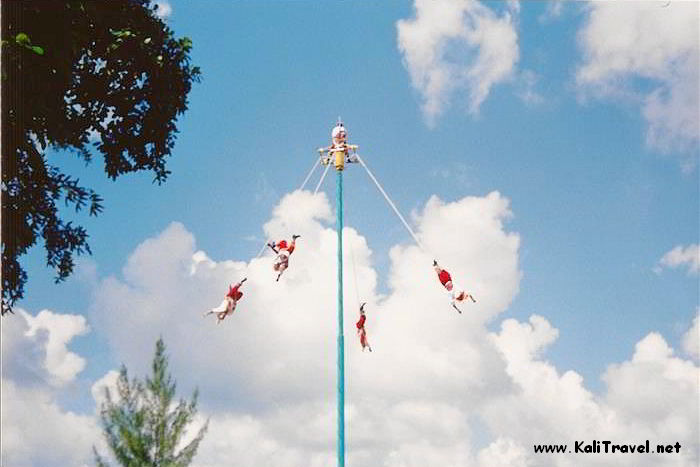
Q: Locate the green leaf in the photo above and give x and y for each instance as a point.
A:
(22, 39)
(38, 50)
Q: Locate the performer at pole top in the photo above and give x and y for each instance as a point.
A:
(339, 152)
(338, 135)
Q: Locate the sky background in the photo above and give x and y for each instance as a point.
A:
(544, 152)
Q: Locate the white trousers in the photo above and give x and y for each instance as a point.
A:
(226, 305)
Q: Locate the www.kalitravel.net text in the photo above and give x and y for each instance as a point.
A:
(607, 447)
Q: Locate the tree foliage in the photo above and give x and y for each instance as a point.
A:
(89, 78)
(143, 427)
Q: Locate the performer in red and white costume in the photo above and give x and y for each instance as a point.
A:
(228, 305)
(284, 251)
(361, 331)
(457, 294)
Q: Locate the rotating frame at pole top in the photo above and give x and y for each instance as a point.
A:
(339, 152)
(338, 156)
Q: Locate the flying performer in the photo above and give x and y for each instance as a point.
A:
(361, 331)
(457, 294)
(228, 305)
(283, 250)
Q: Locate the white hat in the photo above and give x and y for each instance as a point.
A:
(337, 129)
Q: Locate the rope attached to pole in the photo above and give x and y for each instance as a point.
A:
(322, 178)
(354, 272)
(308, 176)
(391, 203)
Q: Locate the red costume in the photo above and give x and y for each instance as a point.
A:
(283, 250)
(444, 277)
(234, 293)
(229, 302)
(361, 331)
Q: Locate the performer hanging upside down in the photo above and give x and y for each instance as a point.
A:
(361, 331)
(229, 303)
(283, 250)
(457, 294)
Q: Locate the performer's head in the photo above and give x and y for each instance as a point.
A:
(339, 134)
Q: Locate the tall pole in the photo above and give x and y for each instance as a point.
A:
(341, 337)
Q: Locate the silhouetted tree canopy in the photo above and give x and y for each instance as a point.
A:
(92, 78)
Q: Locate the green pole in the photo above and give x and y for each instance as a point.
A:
(341, 337)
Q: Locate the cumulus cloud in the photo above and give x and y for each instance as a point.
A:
(663, 407)
(61, 365)
(652, 396)
(505, 452)
(36, 429)
(38, 346)
(688, 256)
(266, 375)
(647, 52)
(457, 45)
(691, 339)
(99, 388)
(269, 370)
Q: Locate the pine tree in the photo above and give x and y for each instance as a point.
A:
(143, 426)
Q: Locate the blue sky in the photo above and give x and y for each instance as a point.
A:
(578, 132)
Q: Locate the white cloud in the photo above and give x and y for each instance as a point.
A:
(525, 88)
(506, 453)
(652, 396)
(108, 381)
(36, 431)
(691, 339)
(625, 43)
(457, 45)
(657, 394)
(164, 9)
(269, 370)
(682, 256)
(552, 11)
(267, 374)
(61, 365)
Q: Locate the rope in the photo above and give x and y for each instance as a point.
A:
(354, 273)
(322, 178)
(308, 176)
(391, 203)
